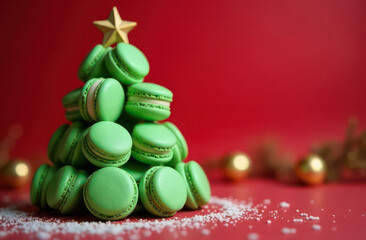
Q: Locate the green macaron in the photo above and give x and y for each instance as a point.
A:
(162, 191)
(127, 64)
(93, 64)
(71, 104)
(107, 144)
(148, 101)
(65, 191)
(54, 142)
(135, 168)
(152, 143)
(68, 144)
(180, 150)
(101, 99)
(198, 186)
(39, 186)
(78, 160)
(110, 193)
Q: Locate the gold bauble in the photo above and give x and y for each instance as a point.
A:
(15, 173)
(311, 170)
(237, 166)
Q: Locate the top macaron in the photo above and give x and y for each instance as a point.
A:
(127, 64)
(93, 65)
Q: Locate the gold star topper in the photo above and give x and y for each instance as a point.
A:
(114, 29)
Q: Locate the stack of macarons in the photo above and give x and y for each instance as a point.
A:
(118, 155)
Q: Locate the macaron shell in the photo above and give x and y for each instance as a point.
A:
(176, 158)
(151, 158)
(110, 138)
(54, 142)
(147, 111)
(191, 202)
(155, 135)
(71, 104)
(132, 58)
(51, 172)
(110, 100)
(69, 142)
(100, 70)
(90, 61)
(162, 191)
(199, 190)
(37, 182)
(83, 99)
(181, 141)
(169, 189)
(110, 193)
(59, 186)
(135, 168)
(71, 98)
(199, 181)
(75, 198)
(150, 90)
(78, 159)
(118, 71)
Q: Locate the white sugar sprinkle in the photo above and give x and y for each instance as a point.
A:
(224, 211)
(43, 235)
(297, 220)
(284, 205)
(253, 236)
(316, 227)
(267, 201)
(134, 237)
(312, 218)
(205, 231)
(288, 231)
(268, 221)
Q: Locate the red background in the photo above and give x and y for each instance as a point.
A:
(238, 69)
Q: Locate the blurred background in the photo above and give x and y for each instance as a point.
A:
(239, 70)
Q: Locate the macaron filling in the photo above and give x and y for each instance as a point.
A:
(67, 191)
(139, 99)
(72, 108)
(90, 99)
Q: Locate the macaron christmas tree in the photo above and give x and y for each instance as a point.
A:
(114, 157)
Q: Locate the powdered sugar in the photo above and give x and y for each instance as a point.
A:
(284, 205)
(288, 231)
(224, 212)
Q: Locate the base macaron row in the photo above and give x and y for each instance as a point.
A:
(112, 193)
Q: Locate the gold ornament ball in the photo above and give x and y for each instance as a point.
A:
(15, 173)
(237, 166)
(311, 170)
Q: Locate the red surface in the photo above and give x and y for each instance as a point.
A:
(345, 201)
(238, 68)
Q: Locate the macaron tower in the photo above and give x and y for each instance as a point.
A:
(115, 157)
